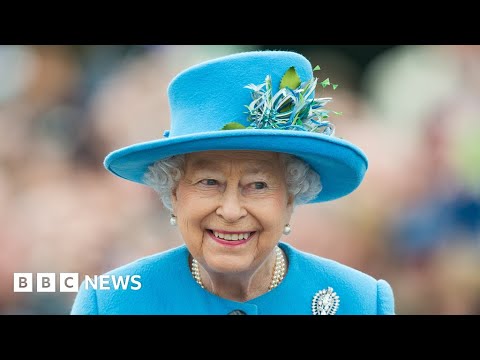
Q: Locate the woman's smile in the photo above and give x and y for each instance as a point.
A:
(231, 238)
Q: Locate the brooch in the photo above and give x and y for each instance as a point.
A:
(325, 302)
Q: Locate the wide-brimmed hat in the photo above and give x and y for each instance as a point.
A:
(259, 100)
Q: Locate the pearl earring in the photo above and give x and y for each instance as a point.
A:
(287, 229)
(173, 220)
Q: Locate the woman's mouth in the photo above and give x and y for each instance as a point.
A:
(229, 237)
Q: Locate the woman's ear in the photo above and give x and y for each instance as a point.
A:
(290, 204)
(290, 200)
(173, 198)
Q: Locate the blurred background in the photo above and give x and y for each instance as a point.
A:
(414, 221)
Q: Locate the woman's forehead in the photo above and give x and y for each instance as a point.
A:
(257, 160)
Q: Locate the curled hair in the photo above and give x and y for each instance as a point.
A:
(163, 177)
(302, 181)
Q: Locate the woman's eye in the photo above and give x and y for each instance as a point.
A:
(209, 182)
(259, 185)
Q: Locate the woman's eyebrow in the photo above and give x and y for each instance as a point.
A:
(266, 169)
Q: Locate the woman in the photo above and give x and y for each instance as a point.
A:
(248, 142)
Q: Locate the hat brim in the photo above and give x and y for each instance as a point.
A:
(340, 164)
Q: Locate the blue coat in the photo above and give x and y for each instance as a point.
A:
(167, 287)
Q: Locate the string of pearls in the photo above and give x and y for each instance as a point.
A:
(278, 272)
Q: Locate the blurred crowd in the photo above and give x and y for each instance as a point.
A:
(414, 221)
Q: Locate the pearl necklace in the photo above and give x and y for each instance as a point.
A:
(278, 272)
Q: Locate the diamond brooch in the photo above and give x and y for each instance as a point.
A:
(325, 302)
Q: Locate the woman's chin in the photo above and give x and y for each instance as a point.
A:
(224, 266)
(229, 256)
(227, 262)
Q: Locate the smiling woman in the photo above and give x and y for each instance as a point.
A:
(231, 208)
(231, 181)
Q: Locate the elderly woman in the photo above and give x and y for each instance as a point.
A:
(248, 143)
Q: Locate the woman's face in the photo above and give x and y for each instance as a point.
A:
(231, 208)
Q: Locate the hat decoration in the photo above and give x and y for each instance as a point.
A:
(292, 107)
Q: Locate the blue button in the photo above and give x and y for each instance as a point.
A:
(237, 312)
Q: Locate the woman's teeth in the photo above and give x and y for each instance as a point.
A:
(232, 237)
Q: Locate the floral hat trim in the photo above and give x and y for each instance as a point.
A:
(293, 107)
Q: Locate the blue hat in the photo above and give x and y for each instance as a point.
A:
(259, 100)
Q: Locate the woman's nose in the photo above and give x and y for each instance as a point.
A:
(231, 207)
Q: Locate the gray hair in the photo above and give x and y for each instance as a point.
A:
(302, 182)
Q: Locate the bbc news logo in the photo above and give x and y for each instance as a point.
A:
(69, 282)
